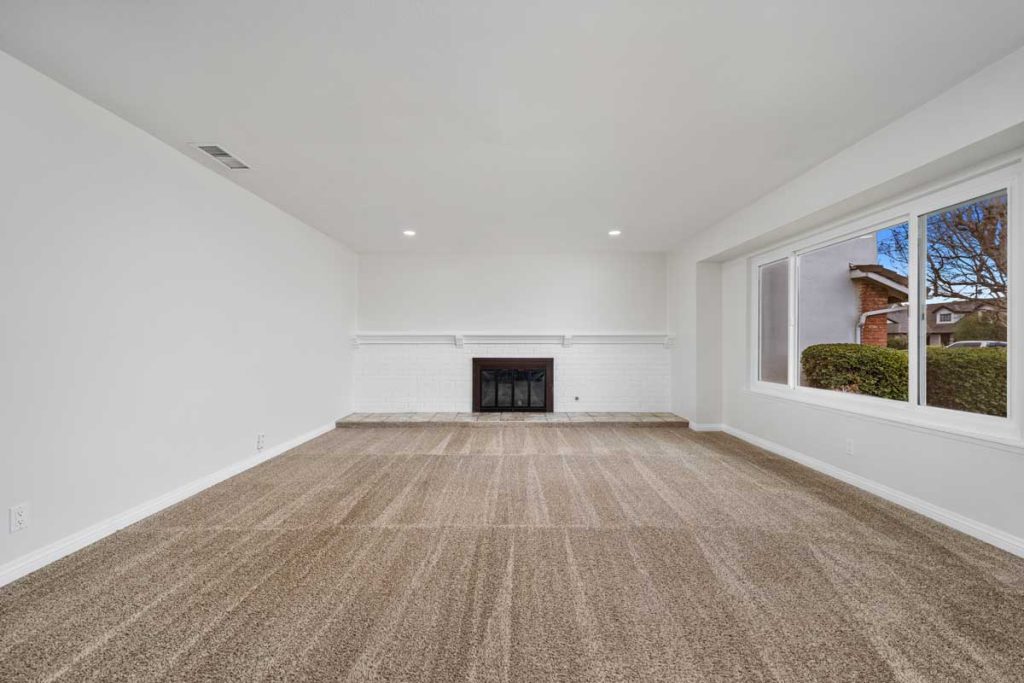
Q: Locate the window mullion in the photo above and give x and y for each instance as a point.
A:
(794, 360)
(915, 278)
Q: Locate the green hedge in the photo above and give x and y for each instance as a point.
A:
(968, 379)
(857, 369)
(972, 380)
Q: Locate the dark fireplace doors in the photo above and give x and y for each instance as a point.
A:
(513, 385)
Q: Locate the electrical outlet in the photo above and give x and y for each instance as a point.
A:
(19, 517)
(849, 446)
(260, 438)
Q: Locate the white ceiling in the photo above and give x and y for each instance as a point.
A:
(516, 125)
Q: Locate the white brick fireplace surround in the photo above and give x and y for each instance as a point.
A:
(432, 372)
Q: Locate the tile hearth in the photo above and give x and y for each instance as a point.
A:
(399, 419)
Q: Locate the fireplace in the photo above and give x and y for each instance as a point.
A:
(513, 385)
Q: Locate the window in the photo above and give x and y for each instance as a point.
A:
(773, 339)
(964, 259)
(909, 309)
(854, 292)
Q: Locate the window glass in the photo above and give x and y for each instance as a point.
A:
(852, 315)
(773, 333)
(964, 263)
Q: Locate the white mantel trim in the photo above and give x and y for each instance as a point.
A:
(459, 339)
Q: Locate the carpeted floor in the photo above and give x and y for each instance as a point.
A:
(523, 553)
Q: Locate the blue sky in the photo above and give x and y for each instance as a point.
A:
(884, 236)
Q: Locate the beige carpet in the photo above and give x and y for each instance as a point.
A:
(523, 553)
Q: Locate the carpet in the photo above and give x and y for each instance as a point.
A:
(523, 553)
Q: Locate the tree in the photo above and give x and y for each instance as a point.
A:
(965, 257)
(979, 325)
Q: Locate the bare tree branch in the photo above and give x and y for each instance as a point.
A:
(965, 255)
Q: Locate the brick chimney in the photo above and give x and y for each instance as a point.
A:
(873, 297)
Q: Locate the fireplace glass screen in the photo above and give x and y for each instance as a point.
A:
(509, 388)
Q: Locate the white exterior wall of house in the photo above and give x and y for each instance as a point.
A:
(829, 301)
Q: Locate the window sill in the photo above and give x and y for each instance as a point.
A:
(995, 431)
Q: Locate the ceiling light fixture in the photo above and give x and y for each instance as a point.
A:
(409, 233)
(614, 233)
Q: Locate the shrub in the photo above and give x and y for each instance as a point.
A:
(977, 326)
(968, 379)
(971, 380)
(857, 369)
(897, 341)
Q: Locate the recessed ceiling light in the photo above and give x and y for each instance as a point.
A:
(614, 233)
(409, 233)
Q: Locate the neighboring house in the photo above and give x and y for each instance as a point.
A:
(942, 319)
(875, 308)
(841, 302)
(829, 306)
(846, 296)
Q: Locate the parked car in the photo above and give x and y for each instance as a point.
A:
(976, 344)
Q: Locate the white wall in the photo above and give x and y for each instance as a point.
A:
(590, 292)
(397, 378)
(155, 316)
(695, 320)
(955, 478)
(709, 293)
(596, 293)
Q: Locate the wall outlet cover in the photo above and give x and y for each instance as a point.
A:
(19, 517)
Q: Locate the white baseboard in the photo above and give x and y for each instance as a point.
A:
(26, 564)
(707, 426)
(983, 532)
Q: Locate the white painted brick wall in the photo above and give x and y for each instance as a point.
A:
(437, 377)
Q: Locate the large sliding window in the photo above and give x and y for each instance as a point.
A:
(906, 313)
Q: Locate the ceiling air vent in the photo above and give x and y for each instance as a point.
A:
(221, 155)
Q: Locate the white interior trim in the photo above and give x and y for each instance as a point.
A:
(983, 532)
(30, 562)
(992, 431)
(707, 426)
(389, 338)
(562, 339)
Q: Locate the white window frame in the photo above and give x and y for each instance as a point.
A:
(757, 304)
(1003, 174)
